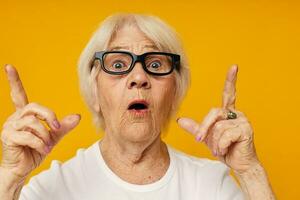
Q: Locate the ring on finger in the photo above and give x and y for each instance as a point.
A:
(231, 115)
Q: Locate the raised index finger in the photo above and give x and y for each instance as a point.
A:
(229, 92)
(17, 92)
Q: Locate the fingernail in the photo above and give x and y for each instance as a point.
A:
(47, 149)
(79, 116)
(56, 124)
(177, 119)
(198, 138)
(235, 68)
(50, 143)
(215, 153)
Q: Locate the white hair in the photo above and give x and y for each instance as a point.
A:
(162, 35)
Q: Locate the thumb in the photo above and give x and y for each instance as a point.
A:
(189, 125)
(68, 123)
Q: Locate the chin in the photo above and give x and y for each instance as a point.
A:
(139, 132)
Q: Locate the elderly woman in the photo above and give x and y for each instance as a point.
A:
(133, 75)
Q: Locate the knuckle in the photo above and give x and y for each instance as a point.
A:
(223, 143)
(15, 124)
(27, 108)
(8, 123)
(246, 129)
(218, 126)
(50, 114)
(31, 119)
(44, 112)
(38, 143)
(221, 112)
(42, 132)
(4, 135)
(218, 111)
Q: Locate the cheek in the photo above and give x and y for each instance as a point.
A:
(110, 94)
(164, 93)
(166, 88)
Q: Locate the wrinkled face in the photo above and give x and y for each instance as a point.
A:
(135, 106)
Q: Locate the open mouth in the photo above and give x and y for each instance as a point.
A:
(138, 105)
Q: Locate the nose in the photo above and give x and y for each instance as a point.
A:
(138, 78)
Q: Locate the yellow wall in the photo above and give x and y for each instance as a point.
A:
(44, 40)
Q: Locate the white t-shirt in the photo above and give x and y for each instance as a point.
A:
(87, 177)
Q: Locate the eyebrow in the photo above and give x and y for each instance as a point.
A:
(154, 47)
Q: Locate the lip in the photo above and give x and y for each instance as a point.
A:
(139, 113)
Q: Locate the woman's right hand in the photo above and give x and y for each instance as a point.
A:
(31, 132)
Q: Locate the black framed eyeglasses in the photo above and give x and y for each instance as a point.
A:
(122, 62)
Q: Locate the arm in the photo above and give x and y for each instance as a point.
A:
(10, 185)
(255, 184)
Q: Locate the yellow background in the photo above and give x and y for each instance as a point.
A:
(44, 40)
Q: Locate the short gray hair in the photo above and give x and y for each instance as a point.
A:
(162, 35)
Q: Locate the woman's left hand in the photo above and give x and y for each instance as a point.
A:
(231, 140)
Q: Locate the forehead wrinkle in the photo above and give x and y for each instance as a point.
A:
(114, 48)
(144, 48)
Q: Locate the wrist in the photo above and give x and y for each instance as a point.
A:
(10, 182)
(255, 169)
(255, 184)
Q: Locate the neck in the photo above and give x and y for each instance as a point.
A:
(136, 162)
